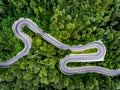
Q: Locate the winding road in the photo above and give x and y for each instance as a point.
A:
(91, 57)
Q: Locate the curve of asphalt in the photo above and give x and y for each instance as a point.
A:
(92, 57)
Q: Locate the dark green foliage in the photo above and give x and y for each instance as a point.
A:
(72, 22)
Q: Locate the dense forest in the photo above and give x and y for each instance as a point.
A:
(72, 22)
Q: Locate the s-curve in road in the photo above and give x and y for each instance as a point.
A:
(92, 57)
